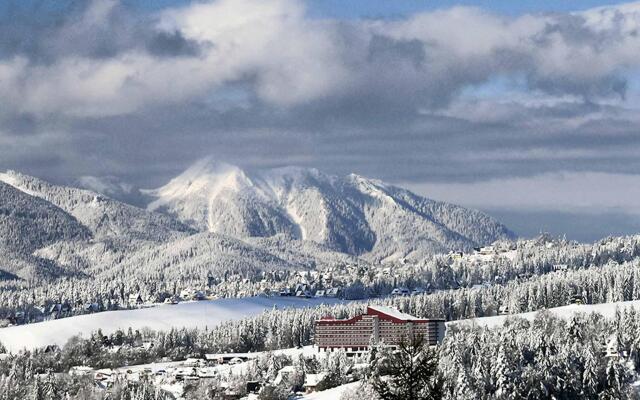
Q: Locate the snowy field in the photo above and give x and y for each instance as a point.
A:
(198, 314)
(608, 310)
(331, 394)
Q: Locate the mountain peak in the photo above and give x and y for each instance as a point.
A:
(351, 214)
(203, 177)
(210, 166)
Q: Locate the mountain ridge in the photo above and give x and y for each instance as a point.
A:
(216, 216)
(350, 214)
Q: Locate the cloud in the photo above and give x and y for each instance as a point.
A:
(584, 206)
(579, 192)
(457, 94)
(102, 61)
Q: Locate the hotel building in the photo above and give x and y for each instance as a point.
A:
(380, 324)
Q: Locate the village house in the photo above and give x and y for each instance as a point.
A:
(311, 381)
(402, 291)
(333, 292)
(80, 370)
(285, 374)
(192, 294)
(228, 358)
(304, 293)
(135, 299)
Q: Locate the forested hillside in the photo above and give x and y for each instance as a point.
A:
(218, 230)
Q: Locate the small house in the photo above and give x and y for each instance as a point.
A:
(19, 317)
(104, 378)
(254, 387)
(577, 299)
(206, 373)
(402, 291)
(135, 299)
(193, 362)
(311, 381)
(487, 250)
(301, 287)
(333, 292)
(95, 307)
(612, 349)
(80, 370)
(284, 374)
(227, 358)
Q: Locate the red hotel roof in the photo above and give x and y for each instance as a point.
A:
(384, 312)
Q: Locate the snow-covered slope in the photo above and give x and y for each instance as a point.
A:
(350, 214)
(206, 251)
(199, 314)
(28, 223)
(217, 218)
(114, 188)
(608, 310)
(57, 229)
(101, 215)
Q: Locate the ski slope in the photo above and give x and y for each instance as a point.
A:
(608, 310)
(198, 314)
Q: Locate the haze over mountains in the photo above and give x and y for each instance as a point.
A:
(215, 214)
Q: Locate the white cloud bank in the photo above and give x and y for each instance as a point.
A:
(290, 59)
(575, 192)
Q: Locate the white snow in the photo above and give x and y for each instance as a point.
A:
(192, 315)
(608, 310)
(10, 179)
(393, 313)
(331, 394)
(293, 213)
(193, 192)
(350, 214)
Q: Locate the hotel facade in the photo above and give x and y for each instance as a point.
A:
(379, 324)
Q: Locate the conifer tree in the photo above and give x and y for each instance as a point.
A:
(411, 372)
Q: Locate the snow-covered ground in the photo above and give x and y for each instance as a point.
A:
(307, 351)
(608, 310)
(331, 394)
(190, 314)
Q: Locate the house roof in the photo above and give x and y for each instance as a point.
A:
(384, 312)
(229, 355)
(394, 313)
(313, 380)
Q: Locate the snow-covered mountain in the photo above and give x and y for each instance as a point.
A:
(112, 187)
(48, 230)
(27, 224)
(215, 217)
(349, 214)
(103, 216)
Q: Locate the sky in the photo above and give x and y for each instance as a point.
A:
(526, 110)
